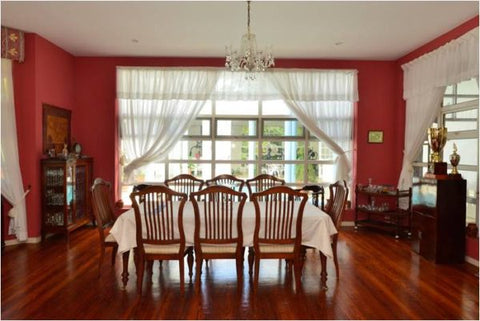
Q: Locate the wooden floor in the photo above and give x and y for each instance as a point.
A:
(381, 278)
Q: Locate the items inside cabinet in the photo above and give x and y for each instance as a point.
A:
(384, 207)
(65, 194)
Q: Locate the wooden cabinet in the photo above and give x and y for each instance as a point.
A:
(438, 222)
(384, 207)
(66, 196)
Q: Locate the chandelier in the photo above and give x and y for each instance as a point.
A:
(248, 58)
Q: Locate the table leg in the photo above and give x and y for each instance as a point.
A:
(323, 274)
(125, 257)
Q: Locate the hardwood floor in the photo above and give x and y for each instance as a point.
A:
(380, 278)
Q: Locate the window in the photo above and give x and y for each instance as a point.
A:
(459, 114)
(244, 138)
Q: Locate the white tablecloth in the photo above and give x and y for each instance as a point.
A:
(317, 228)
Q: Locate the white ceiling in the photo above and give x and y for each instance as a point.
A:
(365, 30)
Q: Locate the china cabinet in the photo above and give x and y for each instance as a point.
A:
(385, 207)
(65, 194)
(438, 221)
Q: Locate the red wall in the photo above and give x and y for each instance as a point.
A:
(46, 76)
(87, 87)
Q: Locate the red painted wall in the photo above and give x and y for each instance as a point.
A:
(46, 76)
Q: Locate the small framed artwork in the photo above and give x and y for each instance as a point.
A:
(375, 136)
(56, 129)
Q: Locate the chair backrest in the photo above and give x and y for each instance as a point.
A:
(102, 204)
(159, 216)
(317, 192)
(262, 182)
(278, 216)
(185, 183)
(338, 198)
(218, 216)
(227, 180)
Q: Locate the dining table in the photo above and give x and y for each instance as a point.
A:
(317, 229)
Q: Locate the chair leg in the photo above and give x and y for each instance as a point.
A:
(335, 258)
(182, 272)
(255, 275)
(198, 270)
(251, 257)
(297, 270)
(141, 267)
(190, 262)
(239, 262)
(114, 253)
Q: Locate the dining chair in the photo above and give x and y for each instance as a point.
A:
(336, 208)
(317, 192)
(104, 212)
(262, 182)
(159, 229)
(227, 180)
(185, 183)
(278, 228)
(218, 226)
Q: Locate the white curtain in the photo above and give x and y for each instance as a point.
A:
(323, 102)
(425, 80)
(161, 101)
(170, 98)
(12, 184)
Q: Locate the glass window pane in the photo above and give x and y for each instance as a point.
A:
(242, 171)
(468, 87)
(236, 127)
(461, 120)
(283, 128)
(466, 148)
(319, 150)
(283, 150)
(320, 173)
(202, 171)
(448, 101)
(472, 185)
(449, 90)
(191, 149)
(236, 150)
(225, 107)
(199, 127)
(275, 108)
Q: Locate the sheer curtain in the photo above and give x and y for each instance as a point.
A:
(323, 101)
(425, 80)
(12, 185)
(158, 100)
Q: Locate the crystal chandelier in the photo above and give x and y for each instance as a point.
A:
(248, 58)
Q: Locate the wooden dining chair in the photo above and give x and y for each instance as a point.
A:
(185, 183)
(278, 228)
(336, 208)
(227, 180)
(218, 226)
(317, 193)
(104, 212)
(262, 182)
(159, 229)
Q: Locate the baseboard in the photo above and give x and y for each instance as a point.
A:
(37, 239)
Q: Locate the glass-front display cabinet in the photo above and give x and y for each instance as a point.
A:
(66, 197)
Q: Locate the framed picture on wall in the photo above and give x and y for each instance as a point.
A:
(375, 136)
(56, 129)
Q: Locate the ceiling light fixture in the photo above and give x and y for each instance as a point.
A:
(248, 58)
